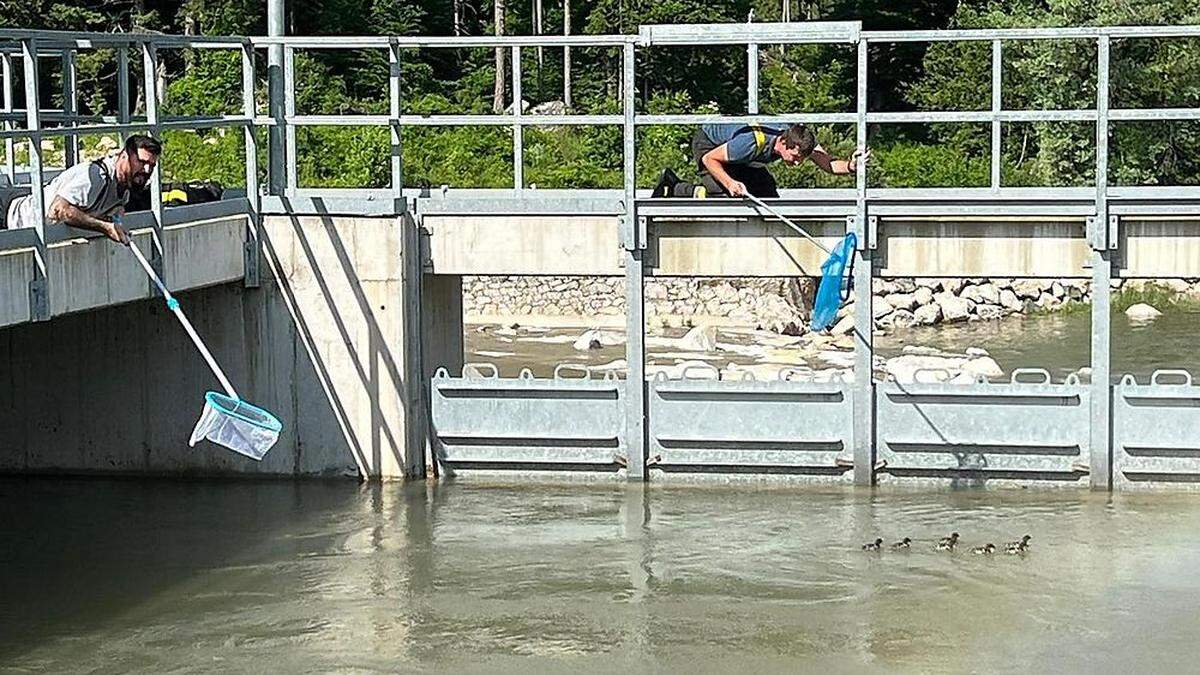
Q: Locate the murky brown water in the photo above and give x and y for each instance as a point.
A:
(120, 576)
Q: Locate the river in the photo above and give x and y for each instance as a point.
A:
(247, 576)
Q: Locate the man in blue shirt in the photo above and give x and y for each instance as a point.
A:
(732, 160)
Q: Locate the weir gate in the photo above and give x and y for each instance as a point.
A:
(348, 302)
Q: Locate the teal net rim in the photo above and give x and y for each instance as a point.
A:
(246, 412)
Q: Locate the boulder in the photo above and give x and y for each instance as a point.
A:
(904, 369)
(923, 296)
(927, 315)
(953, 308)
(902, 318)
(699, 339)
(903, 301)
(988, 312)
(983, 365)
(1010, 301)
(844, 326)
(881, 308)
(1142, 312)
(976, 352)
(1028, 289)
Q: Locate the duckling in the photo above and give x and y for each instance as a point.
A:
(873, 546)
(1017, 547)
(902, 545)
(984, 550)
(948, 543)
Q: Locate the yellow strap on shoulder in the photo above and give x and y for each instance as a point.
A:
(760, 138)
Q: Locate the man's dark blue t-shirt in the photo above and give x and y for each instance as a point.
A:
(753, 145)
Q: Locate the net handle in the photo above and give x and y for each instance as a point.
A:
(173, 305)
(787, 221)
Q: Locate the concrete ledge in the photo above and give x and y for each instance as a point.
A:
(563, 245)
(740, 247)
(91, 273)
(1160, 248)
(995, 248)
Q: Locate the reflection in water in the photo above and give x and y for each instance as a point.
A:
(159, 576)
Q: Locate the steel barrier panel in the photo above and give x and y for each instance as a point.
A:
(710, 426)
(1156, 433)
(983, 431)
(527, 423)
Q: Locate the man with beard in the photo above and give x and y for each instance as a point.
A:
(90, 195)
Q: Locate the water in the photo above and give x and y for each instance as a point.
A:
(119, 576)
(1060, 343)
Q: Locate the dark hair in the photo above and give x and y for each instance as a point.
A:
(139, 142)
(799, 137)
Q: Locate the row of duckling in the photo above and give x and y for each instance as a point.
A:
(951, 542)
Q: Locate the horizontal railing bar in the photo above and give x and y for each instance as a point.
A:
(1081, 33)
(808, 118)
(463, 42)
(452, 120)
(982, 116)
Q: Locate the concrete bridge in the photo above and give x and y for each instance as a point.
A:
(341, 310)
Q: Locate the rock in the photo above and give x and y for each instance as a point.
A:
(923, 296)
(934, 285)
(881, 308)
(843, 327)
(699, 339)
(1057, 290)
(976, 352)
(953, 308)
(902, 318)
(884, 286)
(983, 365)
(989, 312)
(595, 339)
(837, 358)
(921, 350)
(1176, 285)
(954, 286)
(904, 369)
(1048, 301)
(1142, 312)
(905, 285)
(903, 301)
(1029, 289)
(988, 294)
(1010, 301)
(927, 315)
(793, 329)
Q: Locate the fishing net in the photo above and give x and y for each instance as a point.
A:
(835, 283)
(237, 425)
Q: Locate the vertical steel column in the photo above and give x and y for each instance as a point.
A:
(253, 246)
(752, 78)
(276, 173)
(122, 88)
(70, 107)
(633, 239)
(518, 134)
(864, 321)
(10, 160)
(150, 82)
(39, 287)
(394, 112)
(567, 56)
(1103, 241)
(996, 108)
(291, 181)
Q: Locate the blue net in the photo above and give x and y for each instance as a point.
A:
(835, 284)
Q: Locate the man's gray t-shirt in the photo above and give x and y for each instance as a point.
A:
(88, 185)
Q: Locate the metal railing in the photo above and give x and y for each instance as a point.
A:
(283, 115)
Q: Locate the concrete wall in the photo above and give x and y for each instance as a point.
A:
(321, 344)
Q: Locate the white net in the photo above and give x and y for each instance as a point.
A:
(237, 425)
